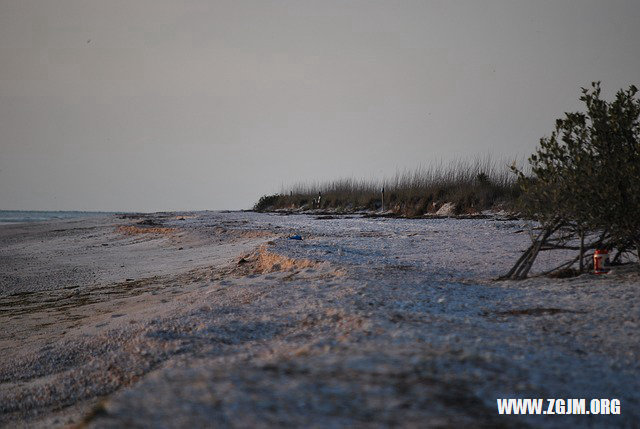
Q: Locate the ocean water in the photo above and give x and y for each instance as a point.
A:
(17, 216)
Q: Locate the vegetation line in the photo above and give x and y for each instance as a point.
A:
(469, 186)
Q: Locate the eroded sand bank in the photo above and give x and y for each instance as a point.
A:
(218, 319)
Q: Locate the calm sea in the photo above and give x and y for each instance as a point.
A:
(16, 216)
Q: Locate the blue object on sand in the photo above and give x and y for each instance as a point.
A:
(295, 237)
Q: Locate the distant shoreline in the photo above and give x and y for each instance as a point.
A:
(10, 217)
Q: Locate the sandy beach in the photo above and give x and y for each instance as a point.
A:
(220, 319)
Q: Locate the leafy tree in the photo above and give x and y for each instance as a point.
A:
(585, 178)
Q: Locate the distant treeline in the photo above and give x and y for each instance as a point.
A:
(470, 185)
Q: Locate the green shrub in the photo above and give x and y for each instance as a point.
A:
(587, 173)
(585, 177)
(267, 202)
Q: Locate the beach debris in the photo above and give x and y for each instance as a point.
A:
(134, 230)
(542, 311)
(295, 237)
(149, 222)
(600, 261)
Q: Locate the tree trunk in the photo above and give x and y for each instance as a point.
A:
(522, 272)
(581, 252)
(525, 262)
(516, 266)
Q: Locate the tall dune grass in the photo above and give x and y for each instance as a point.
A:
(472, 185)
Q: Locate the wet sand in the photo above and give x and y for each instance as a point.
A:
(177, 319)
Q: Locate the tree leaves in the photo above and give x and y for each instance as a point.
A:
(587, 172)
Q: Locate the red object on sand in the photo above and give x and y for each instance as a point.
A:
(599, 261)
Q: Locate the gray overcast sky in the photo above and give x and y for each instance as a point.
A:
(157, 105)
